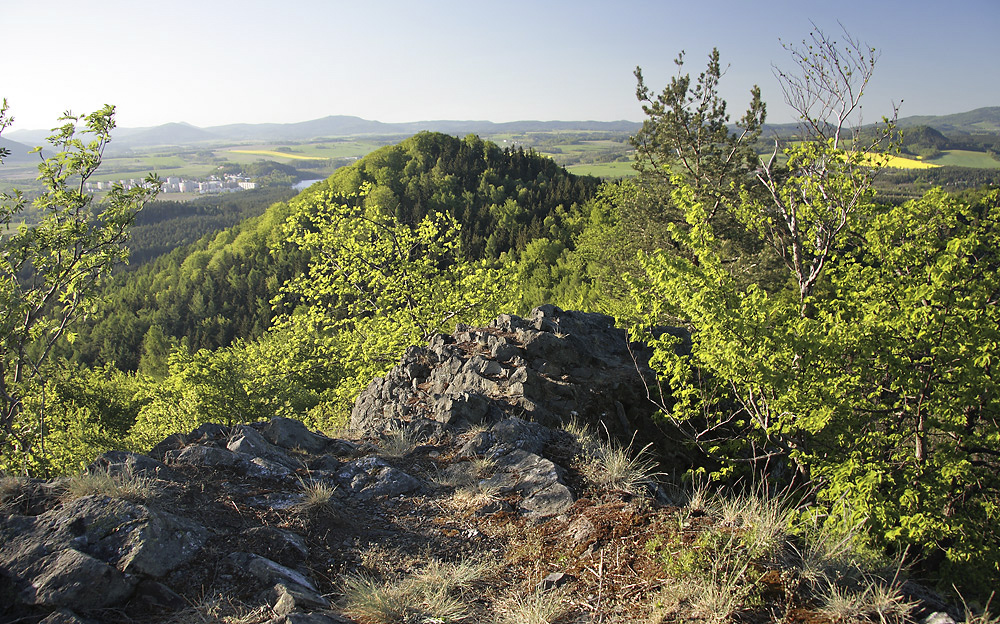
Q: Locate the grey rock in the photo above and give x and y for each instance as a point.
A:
(537, 479)
(938, 617)
(516, 433)
(371, 477)
(462, 409)
(119, 462)
(286, 598)
(91, 552)
(202, 456)
(156, 595)
(278, 544)
(70, 578)
(248, 441)
(270, 572)
(291, 434)
(554, 580)
(65, 616)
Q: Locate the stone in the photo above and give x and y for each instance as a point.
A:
(91, 552)
(267, 571)
(70, 578)
(248, 441)
(371, 477)
(553, 581)
(65, 616)
(119, 462)
(286, 598)
(291, 434)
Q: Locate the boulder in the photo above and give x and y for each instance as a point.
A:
(91, 552)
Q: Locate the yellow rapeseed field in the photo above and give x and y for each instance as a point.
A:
(277, 154)
(898, 162)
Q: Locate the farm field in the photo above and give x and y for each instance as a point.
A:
(964, 158)
(613, 170)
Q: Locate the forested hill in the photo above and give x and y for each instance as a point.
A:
(221, 288)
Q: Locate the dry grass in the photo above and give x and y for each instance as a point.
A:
(220, 610)
(434, 594)
(125, 485)
(614, 467)
(875, 600)
(538, 607)
(981, 618)
(763, 519)
(398, 442)
(11, 490)
(317, 498)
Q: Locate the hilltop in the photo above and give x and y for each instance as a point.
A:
(494, 475)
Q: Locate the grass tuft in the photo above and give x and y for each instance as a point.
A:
(433, 594)
(614, 467)
(125, 485)
(317, 497)
(538, 607)
(398, 442)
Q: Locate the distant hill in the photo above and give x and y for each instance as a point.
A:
(979, 121)
(18, 152)
(183, 134)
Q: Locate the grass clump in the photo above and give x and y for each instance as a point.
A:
(317, 498)
(397, 442)
(434, 594)
(125, 484)
(614, 467)
(538, 607)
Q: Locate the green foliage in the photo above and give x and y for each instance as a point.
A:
(284, 373)
(376, 285)
(50, 272)
(866, 374)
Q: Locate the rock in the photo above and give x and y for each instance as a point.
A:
(125, 462)
(65, 616)
(248, 441)
(202, 456)
(554, 580)
(537, 479)
(91, 552)
(292, 434)
(278, 544)
(372, 477)
(156, 595)
(938, 617)
(267, 571)
(70, 578)
(288, 598)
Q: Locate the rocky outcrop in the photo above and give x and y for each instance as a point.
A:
(456, 456)
(547, 368)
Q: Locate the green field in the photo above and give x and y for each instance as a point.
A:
(612, 170)
(964, 158)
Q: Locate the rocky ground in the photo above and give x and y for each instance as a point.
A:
(498, 475)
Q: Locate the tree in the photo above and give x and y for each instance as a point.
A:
(50, 271)
(866, 376)
(376, 285)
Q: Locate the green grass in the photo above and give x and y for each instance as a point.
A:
(965, 158)
(604, 170)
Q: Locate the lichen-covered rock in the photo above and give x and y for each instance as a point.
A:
(91, 552)
(540, 369)
(372, 477)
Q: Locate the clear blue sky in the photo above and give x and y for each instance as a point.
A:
(213, 62)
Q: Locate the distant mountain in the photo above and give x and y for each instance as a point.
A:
(183, 134)
(167, 134)
(18, 152)
(979, 121)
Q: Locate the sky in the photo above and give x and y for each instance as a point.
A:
(214, 62)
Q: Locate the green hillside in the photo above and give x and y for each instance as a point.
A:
(220, 288)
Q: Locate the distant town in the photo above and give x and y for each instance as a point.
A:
(215, 184)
